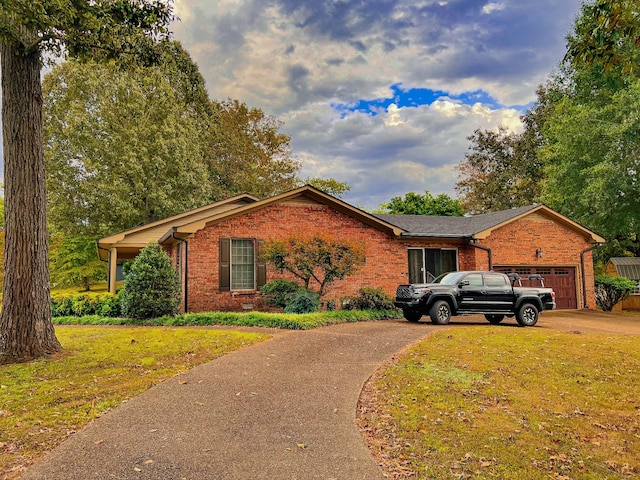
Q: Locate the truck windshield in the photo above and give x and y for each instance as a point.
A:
(451, 278)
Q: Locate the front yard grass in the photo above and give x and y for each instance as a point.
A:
(44, 401)
(529, 404)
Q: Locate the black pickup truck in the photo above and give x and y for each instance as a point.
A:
(496, 295)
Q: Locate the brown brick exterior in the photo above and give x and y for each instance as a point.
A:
(516, 244)
(386, 256)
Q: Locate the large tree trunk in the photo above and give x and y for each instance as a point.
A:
(26, 330)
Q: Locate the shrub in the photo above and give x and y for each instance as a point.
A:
(152, 286)
(303, 301)
(81, 304)
(368, 298)
(611, 290)
(277, 292)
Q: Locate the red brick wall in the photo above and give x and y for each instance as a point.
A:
(386, 259)
(386, 263)
(516, 244)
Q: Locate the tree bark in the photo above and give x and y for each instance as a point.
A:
(26, 329)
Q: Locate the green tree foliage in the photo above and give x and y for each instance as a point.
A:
(317, 260)
(75, 263)
(247, 154)
(612, 290)
(28, 31)
(607, 34)
(328, 185)
(416, 204)
(152, 286)
(123, 146)
(592, 147)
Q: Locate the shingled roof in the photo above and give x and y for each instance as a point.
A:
(453, 227)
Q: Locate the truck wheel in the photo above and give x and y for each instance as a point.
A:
(440, 313)
(527, 316)
(411, 315)
(494, 319)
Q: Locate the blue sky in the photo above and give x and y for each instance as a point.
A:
(381, 94)
(415, 98)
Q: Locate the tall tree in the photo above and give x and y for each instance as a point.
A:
(416, 204)
(592, 150)
(123, 146)
(27, 31)
(247, 153)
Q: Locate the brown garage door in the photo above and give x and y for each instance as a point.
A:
(561, 279)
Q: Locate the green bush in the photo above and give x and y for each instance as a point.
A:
(303, 301)
(368, 298)
(256, 319)
(611, 290)
(152, 286)
(278, 292)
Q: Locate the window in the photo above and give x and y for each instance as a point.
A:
(240, 268)
(495, 280)
(474, 279)
(242, 265)
(425, 264)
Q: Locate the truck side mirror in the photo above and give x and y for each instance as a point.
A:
(464, 283)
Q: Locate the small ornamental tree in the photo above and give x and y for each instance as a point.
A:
(321, 260)
(612, 290)
(152, 287)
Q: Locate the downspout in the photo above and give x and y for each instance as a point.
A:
(186, 267)
(486, 249)
(584, 275)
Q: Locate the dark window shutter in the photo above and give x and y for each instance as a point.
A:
(261, 266)
(225, 264)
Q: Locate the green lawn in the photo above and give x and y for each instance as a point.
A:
(43, 402)
(509, 403)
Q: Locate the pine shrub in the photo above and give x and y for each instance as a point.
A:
(152, 286)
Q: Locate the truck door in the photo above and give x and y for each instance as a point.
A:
(472, 292)
(499, 294)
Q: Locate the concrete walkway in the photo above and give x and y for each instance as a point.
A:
(282, 409)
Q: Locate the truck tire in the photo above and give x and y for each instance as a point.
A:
(411, 314)
(527, 315)
(440, 312)
(494, 319)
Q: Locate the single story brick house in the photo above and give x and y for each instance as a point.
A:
(216, 248)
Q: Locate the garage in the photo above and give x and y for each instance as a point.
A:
(561, 279)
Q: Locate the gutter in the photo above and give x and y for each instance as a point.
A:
(486, 249)
(584, 276)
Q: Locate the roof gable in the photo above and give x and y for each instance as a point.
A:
(305, 194)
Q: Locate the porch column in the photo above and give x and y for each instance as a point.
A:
(113, 263)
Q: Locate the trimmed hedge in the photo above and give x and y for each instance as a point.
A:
(290, 321)
(86, 303)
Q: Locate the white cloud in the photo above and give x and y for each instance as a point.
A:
(493, 7)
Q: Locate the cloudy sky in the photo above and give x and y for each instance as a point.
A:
(381, 94)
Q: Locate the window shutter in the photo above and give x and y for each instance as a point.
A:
(225, 264)
(261, 266)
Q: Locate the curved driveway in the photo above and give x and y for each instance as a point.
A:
(282, 409)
